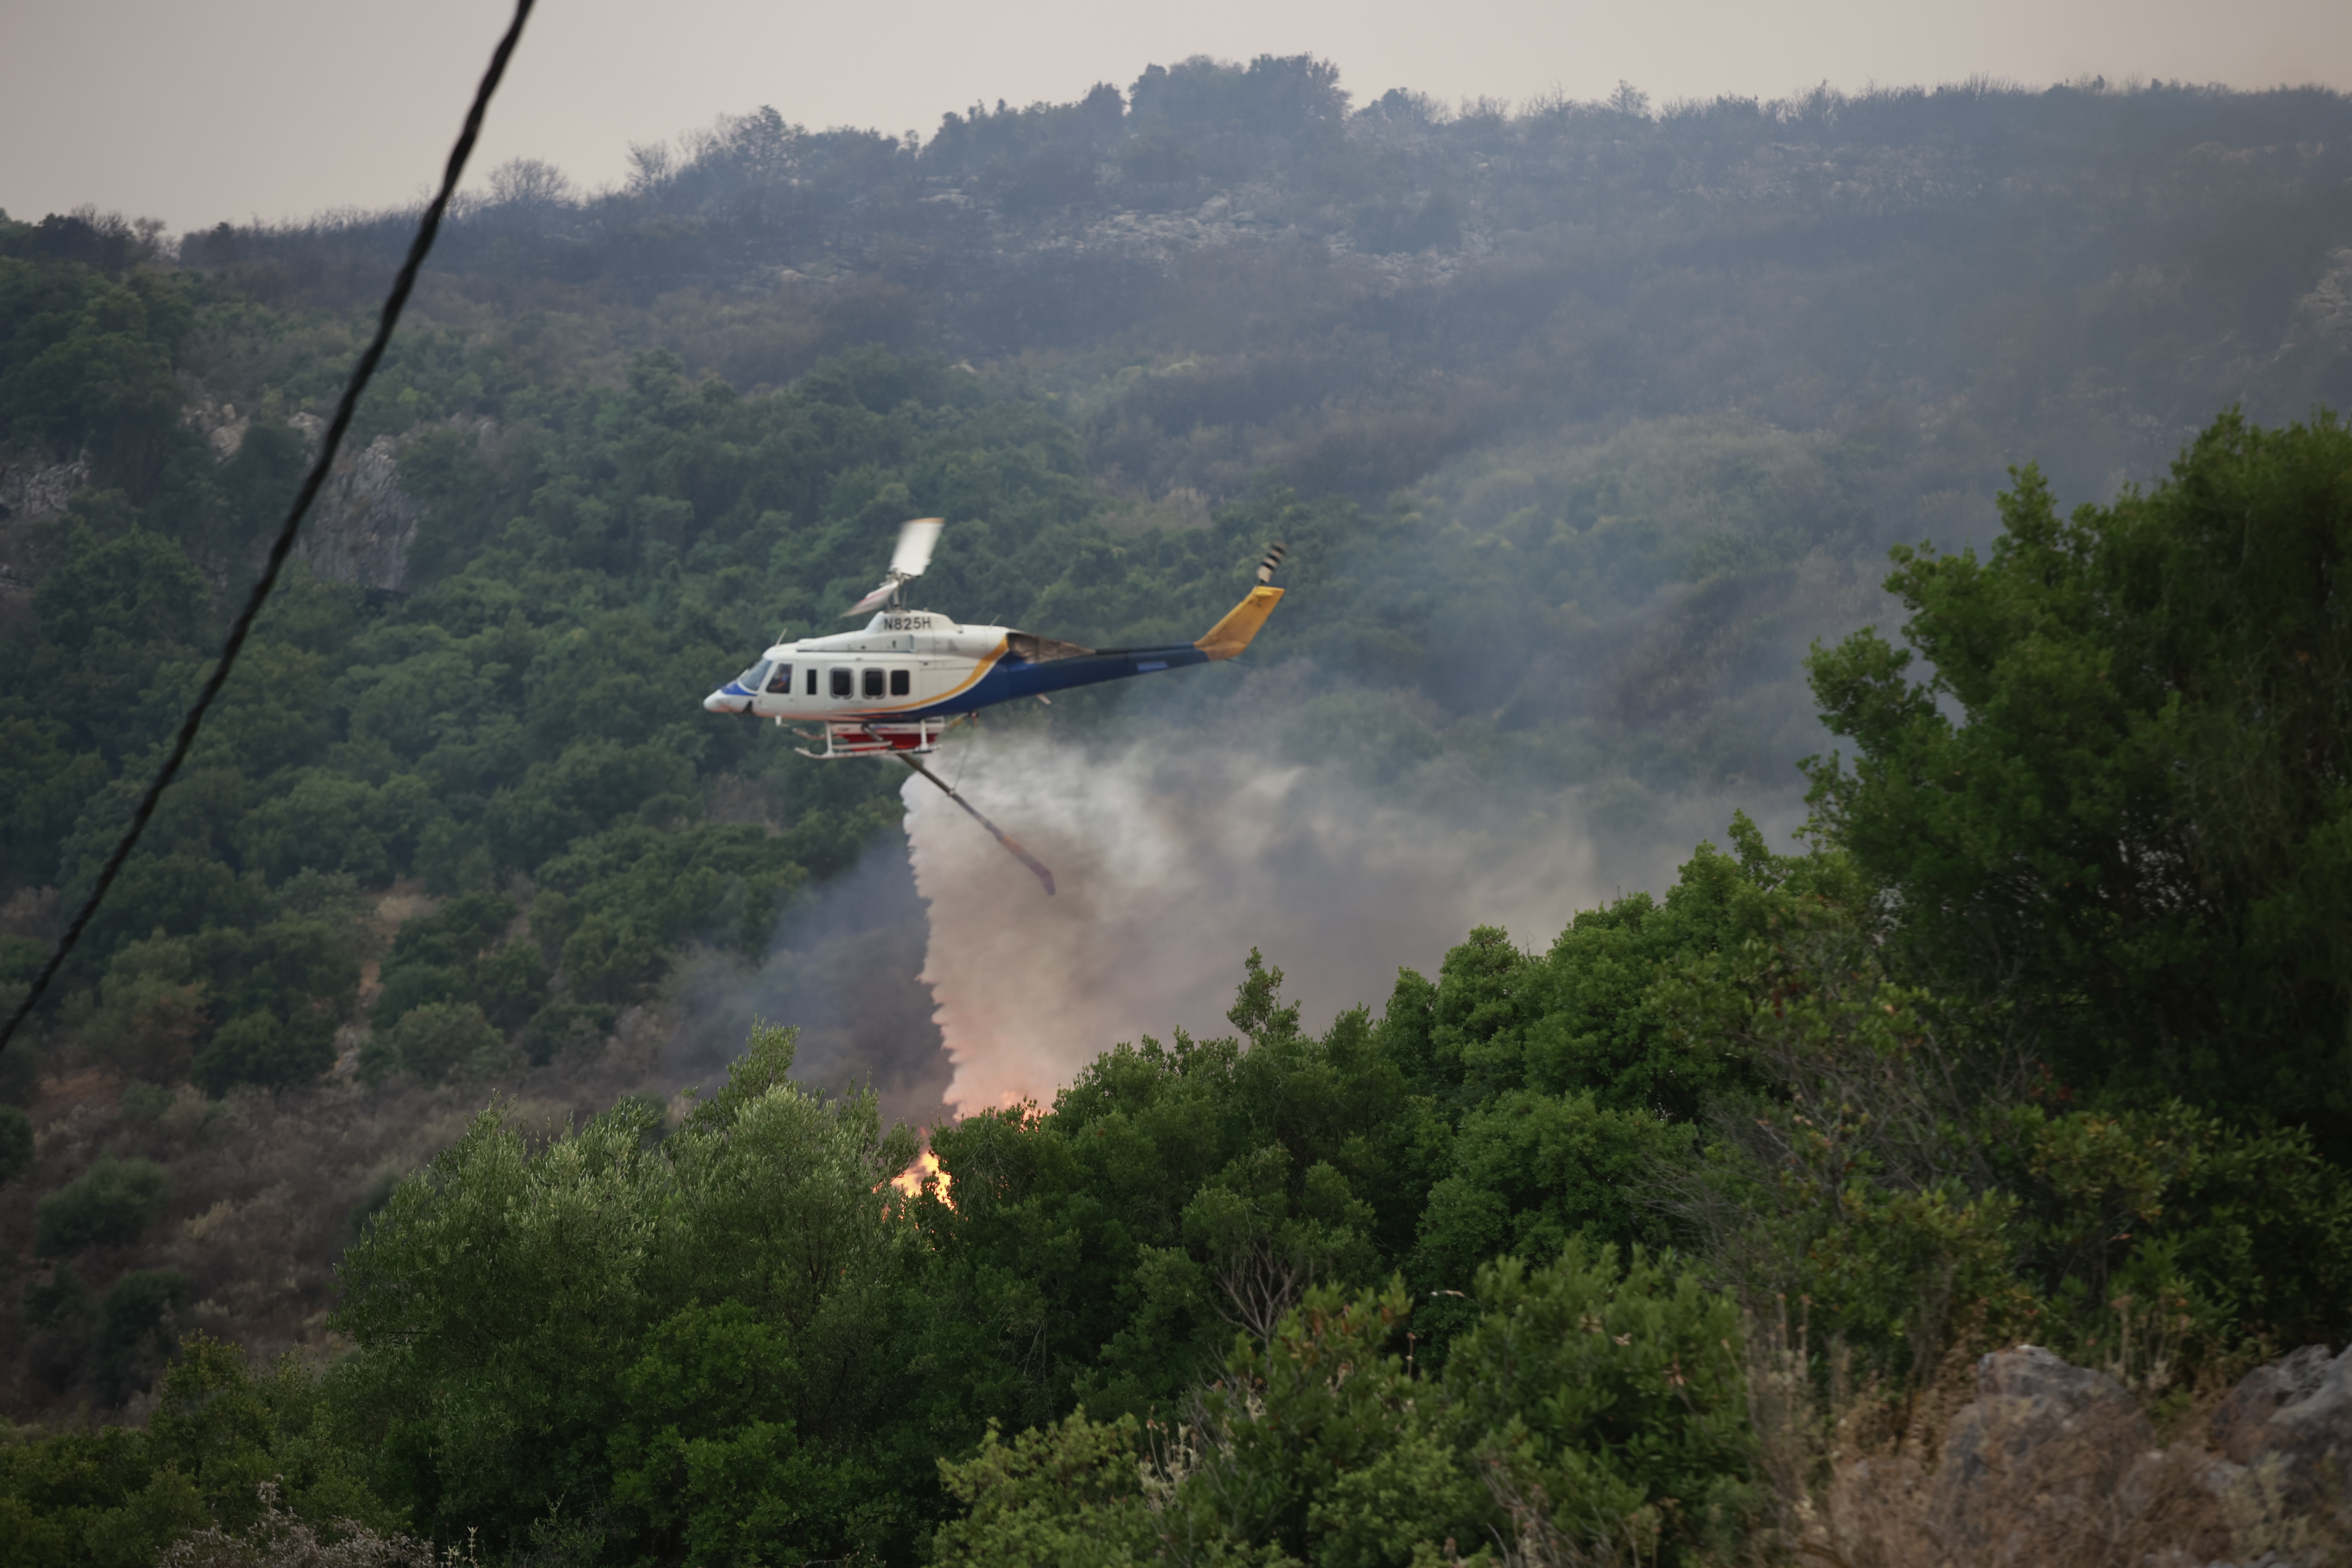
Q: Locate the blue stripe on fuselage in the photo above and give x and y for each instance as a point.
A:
(1011, 678)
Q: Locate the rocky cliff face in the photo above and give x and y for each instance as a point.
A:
(31, 493)
(2050, 1464)
(359, 530)
(362, 526)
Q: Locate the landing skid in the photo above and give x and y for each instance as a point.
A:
(852, 738)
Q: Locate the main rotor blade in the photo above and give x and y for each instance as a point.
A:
(999, 834)
(917, 539)
(872, 599)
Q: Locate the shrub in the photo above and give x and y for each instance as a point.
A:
(1614, 1389)
(257, 1049)
(16, 1141)
(58, 1299)
(559, 1026)
(281, 1540)
(134, 1334)
(1595, 1411)
(438, 1039)
(108, 1205)
(510, 986)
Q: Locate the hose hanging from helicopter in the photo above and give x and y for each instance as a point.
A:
(1011, 843)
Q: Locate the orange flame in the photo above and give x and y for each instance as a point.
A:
(926, 1168)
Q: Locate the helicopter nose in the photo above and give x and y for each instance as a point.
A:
(717, 703)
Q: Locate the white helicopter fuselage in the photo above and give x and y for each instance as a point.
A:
(902, 665)
(897, 685)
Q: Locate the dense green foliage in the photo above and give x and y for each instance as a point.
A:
(673, 1326)
(730, 1336)
(115, 1496)
(107, 1205)
(1595, 1406)
(2135, 822)
(1183, 1191)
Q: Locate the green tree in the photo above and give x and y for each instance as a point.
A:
(2119, 801)
(135, 1329)
(441, 1038)
(257, 1048)
(1917, 1182)
(111, 1203)
(1608, 1392)
(690, 1329)
(118, 1497)
(1596, 1407)
(1107, 1251)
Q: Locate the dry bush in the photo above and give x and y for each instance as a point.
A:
(1537, 1540)
(266, 1189)
(2272, 1519)
(278, 1539)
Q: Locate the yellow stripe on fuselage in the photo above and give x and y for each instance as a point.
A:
(985, 663)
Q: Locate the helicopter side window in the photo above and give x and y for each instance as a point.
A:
(749, 679)
(845, 683)
(873, 683)
(781, 683)
(902, 682)
(811, 680)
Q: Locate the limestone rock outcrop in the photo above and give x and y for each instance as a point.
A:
(33, 493)
(2290, 1422)
(2043, 1444)
(362, 526)
(2049, 1465)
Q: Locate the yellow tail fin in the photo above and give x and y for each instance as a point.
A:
(1229, 636)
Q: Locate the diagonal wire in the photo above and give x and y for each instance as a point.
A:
(394, 302)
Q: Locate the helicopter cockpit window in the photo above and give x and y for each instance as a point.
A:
(873, 683)
(749, 679)
(902, 683)
(781, 683)
(844, 683)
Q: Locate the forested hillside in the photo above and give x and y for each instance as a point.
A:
(393, 1050)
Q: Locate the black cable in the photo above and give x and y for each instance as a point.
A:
(393, 304)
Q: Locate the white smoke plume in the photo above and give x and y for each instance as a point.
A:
(1174, 861)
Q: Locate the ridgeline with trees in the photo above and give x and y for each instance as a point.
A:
(347, 1209)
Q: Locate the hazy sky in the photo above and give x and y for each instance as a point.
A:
(239, 108)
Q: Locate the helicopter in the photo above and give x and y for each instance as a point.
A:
(895, 687)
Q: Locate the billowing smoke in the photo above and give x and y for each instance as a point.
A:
(940, 972)
(1174, 861)
(1543, 757)
(843, 967)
